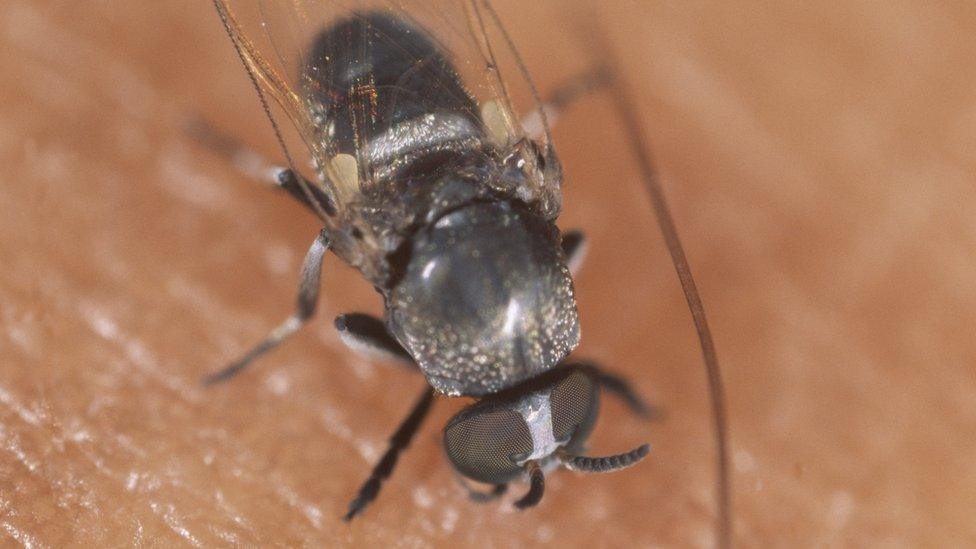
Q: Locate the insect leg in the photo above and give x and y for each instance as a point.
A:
(620, 388)
(565, 95)
(296, 185)
(398, 442)
(574, 248)
(308, 296)
(480, 496)
(254, 166)
(247, 161)
(537, 487)
(366, 333)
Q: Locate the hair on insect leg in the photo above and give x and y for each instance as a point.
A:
(367, 334)
(308, 296)
(398, 443)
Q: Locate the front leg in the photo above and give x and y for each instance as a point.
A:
(621, 388)
(308, 297)
(481, 496)
(367, 334)
(398, 443)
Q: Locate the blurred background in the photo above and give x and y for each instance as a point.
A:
(819, 158)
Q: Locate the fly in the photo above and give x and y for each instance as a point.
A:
(427, 183)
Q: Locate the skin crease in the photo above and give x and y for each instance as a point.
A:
(819, 161)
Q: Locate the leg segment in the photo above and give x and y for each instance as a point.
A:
(366, 333)
(247, 161)
(622, 389)
(308, 295)
(481, 496)
(398, 442)
(574, 248)
(296, 185)
(254, 166)
(537, 487)
(566, 94)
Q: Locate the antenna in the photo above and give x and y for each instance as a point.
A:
(607, 464)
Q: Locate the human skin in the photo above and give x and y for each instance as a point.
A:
(819, 161)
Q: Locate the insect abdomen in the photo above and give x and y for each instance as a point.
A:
(389, 97)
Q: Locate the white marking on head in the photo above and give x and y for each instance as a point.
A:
(537, 412)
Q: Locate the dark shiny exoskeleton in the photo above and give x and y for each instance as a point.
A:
(456, 230)
(475, 284)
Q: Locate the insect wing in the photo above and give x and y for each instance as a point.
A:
(348, 73)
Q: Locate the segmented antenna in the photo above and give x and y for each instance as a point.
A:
(607, 464)
(537, 488)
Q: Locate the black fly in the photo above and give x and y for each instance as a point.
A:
(428, 185)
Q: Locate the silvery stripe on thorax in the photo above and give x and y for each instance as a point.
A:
(537, 412)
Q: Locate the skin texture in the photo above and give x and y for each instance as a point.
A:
(819, 161)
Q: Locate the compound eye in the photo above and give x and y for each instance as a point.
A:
(485, 444)
(574, 402)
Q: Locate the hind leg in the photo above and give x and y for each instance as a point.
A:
(565, 95)
(252, 165)
(308, 296)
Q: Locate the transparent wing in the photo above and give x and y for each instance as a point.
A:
(345, 89)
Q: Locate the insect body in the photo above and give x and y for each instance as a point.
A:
(475, 285)
(449, 210)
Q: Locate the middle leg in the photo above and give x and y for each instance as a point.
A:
(308, 296)
(368, 335)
